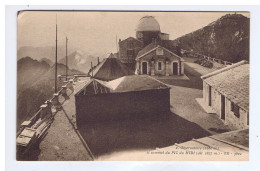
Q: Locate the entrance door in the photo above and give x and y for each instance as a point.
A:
(223, 107)
(144, 68)
(175, 68)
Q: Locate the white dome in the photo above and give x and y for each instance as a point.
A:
(148, 23)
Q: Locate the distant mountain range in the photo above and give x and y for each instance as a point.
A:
(48, 61)
(226, 39)
(35, 85)
(76, 60)
(38, 53)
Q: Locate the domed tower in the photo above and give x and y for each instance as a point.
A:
(147, 29)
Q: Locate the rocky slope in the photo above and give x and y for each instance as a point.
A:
(35, 85)
(226, 39)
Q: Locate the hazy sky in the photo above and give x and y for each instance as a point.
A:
(95, 32)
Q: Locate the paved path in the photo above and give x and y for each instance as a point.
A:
(184, 104)
(194, 80)
(62, 142)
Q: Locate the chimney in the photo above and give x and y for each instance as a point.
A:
(97, 60)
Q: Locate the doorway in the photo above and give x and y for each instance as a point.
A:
(175, 68)
(223, 107)
(144, 67)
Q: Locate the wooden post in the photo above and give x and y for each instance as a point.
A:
(56, 56)
(64, 90)
(66, 59)
(91, 69)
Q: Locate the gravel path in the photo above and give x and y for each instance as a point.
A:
(62, 143)
(184, 105)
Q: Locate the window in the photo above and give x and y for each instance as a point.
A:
(159, 65)
(235, 109)
(232, 106)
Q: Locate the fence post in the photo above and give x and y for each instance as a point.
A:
(55, 100)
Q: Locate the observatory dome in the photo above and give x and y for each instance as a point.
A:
(148, 23)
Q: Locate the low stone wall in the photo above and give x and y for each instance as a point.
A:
(46, 108)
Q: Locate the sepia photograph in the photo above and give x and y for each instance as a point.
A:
(132, 85)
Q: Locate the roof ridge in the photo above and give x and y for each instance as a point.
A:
(119, 80)
(158, 81)
(224, 69)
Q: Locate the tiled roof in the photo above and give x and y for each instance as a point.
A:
(111, 68)
(233, 82)
(146, 49)
(168, 44)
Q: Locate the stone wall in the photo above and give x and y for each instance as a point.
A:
(230, 119)
(128, 44)
(233, 121)
(166, 66)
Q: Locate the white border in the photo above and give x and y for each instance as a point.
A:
(10, 56)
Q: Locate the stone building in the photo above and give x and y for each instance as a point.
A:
(147, 32)
(154, 59)
(128, 49)
(226, 92)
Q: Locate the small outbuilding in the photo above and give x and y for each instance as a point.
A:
(226, 92)
(110, 68)
(123, 98)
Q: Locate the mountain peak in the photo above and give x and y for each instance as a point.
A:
(226, 38)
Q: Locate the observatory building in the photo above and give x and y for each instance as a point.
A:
(151, 52)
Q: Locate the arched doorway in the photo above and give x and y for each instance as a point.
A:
(144, 67)
(175, 68)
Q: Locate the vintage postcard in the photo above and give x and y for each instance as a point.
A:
(132, 86)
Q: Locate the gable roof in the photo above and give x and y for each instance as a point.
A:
(111, 68)
(151, 47)
(233, 82)
(146, 49)
(80, 87)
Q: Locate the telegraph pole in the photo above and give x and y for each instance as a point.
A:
(66, 59)
(56, 58)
